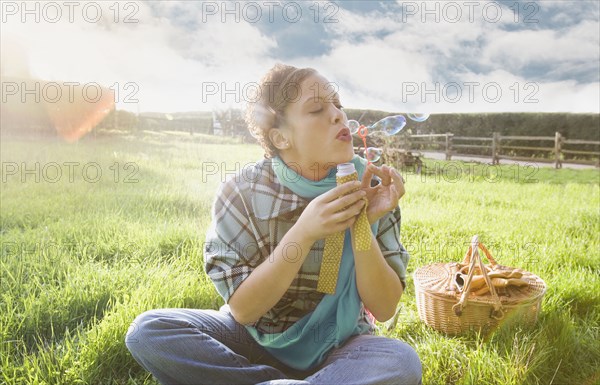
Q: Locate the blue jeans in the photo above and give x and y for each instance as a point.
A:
(189, 346)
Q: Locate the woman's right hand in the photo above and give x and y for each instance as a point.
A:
(322, 216)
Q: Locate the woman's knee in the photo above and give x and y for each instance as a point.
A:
(145, 329)
(398, 358)
(407, 363)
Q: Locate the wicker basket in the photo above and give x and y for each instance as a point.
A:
(448, 307)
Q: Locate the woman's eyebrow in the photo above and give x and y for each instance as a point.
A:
(335, 97)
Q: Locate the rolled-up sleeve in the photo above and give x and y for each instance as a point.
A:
(230, 249)
(388, 238)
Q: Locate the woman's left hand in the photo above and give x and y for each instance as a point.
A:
(385, 196)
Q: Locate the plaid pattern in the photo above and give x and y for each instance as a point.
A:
(250, 215)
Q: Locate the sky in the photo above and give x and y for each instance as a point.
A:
(450, 56)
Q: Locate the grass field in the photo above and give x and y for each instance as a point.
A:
(113, 227)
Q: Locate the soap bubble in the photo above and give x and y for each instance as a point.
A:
(373, 154)
(353, 125)
(418, 116)
(390, 125)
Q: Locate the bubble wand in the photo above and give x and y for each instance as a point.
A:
(363, 131)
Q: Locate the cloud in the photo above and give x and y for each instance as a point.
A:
(535, 69)
(174, 50)
(163, 62)
(516, 49)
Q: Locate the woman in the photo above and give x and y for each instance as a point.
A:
(264, 251)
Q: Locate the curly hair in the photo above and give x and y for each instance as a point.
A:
(267, 109)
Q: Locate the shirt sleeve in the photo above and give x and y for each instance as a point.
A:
(230, 250)
(388, 238)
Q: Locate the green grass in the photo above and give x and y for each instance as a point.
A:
(81, 258)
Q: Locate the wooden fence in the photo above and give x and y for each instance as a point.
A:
(496, 147)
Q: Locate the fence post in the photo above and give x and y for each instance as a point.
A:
(448, 146)
(495, 147)
(407, 143)
(557, 150)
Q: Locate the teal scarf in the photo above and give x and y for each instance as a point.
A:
(306, 343)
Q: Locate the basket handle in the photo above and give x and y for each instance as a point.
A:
(467, 259)
(473, 258)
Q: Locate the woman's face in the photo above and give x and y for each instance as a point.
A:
(312, 124)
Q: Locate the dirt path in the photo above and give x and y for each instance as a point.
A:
(442, 156)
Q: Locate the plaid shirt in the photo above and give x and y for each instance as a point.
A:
(250, 215)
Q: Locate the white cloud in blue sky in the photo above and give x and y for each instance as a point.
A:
(382, 54)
